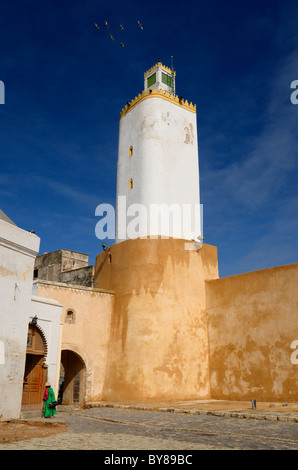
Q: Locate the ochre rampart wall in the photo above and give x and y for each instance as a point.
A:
(252, 323)
(159, 340)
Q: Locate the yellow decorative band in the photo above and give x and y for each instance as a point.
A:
(160, 65)
(158, 94)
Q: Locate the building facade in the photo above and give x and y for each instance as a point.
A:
(66, 266)
(29, 326)
(179, 332)
(152, 320)
(30, 329)
(18, 249)
(86, 319)
(170, 329)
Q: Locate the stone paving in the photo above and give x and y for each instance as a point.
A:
(264, 410)
(184, 426)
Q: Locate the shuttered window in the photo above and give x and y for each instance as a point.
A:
(151, 80)
(166, 79)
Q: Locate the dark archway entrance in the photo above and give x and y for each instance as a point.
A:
(72, 377)
(34, 376)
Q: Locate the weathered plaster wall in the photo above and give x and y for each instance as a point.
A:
(18, 249)
(159, 344)
(89, 334)
(51, 266)
(252, 322)
(80, 277)
(164, 164)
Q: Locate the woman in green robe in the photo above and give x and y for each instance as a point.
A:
(48, 398)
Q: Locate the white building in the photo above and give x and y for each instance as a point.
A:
(29, 350)
(158, 170)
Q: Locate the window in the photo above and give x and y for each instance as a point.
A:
(130, 151)
(70, 316)
(35, 274)
(151, 80)
(130, 184)
(166, 79)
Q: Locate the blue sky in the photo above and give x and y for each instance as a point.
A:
(66, 83)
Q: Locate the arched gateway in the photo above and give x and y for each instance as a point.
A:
(72, 377)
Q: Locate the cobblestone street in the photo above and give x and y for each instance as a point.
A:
(134, 429)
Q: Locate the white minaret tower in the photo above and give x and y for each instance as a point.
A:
(158, 171)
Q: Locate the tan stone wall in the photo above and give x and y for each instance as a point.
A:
(89, 334)
(252, 322)
(167, 334)
(50, 266)
(159, 344)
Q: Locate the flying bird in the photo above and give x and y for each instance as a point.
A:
(120, 26)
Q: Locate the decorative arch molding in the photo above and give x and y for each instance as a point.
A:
(35, 326)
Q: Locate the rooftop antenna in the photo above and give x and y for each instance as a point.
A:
(173, 76)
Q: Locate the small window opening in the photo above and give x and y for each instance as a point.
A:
(70, 316)
(35, 274)
(131, 183)
(151, 80)
(130, 152)
(166, 79)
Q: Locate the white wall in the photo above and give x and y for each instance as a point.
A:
(164, 165)
(18, 250)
